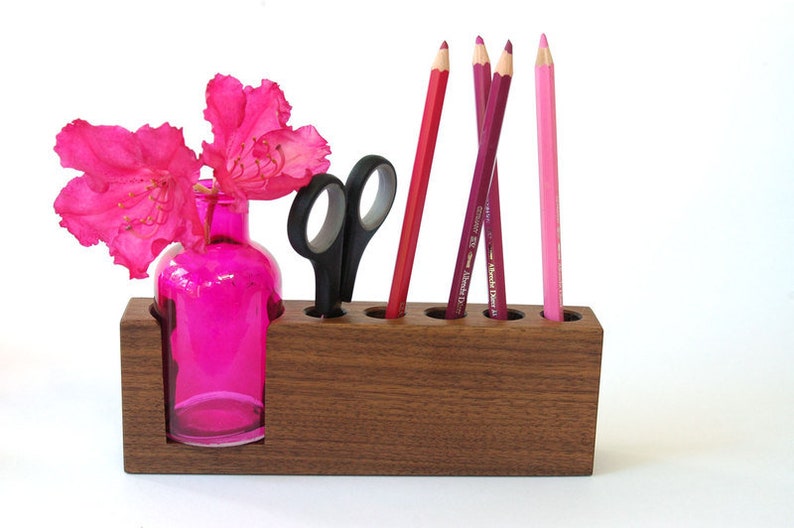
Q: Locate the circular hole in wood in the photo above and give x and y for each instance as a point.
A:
(439, 312)
(312, 311)
(376, 312)
(568, 316)
(512, 315)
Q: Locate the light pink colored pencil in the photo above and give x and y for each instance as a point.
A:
(546, 114)
(492, 227)
(481, 181)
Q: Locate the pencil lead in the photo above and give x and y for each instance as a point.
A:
(509, 47)
(444, 45)
(480, 53)
(543, 42)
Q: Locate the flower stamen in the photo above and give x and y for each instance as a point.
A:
(154, 201)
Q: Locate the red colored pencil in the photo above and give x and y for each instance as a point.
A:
(420, 176)
(545, 105)
(483, 171)
(492, 227)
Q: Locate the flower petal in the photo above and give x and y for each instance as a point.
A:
(104, 153)
(257, 155)
(164, 149)
(225, 108)
(304, 154)
(136, 202)
(238, 116)
(266, 109)
(305, 150)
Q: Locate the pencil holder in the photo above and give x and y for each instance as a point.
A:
(418, 395)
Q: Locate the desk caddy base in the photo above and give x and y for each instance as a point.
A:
(360, 395)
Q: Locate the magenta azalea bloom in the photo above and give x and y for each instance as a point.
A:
(136, 193)
(255, 155)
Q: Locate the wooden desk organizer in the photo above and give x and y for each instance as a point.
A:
(359, 395)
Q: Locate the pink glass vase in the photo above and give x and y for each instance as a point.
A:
(214, 309)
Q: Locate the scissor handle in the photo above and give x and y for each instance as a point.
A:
(361, 225)
(325, 249)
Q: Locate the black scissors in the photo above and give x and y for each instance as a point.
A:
(336, 250)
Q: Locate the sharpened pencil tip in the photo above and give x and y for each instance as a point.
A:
(441, 61)
(505, 65)
(480, 54)
(544, 53)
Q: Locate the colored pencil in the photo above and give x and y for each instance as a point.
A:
(546, 115)
(417, 190)
(481, 181)
(492, 227)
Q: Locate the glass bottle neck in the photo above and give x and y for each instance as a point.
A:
(225, 222)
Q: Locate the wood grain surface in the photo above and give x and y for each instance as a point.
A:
(360, 395)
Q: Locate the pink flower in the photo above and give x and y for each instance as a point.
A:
(255, 155)
(135, 194)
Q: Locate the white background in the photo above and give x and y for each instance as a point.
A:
(676, 122)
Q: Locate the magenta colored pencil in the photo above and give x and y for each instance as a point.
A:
(492, 227)
(546, 114)
(481, 181)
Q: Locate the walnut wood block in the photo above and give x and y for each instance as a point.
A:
(359, 395)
